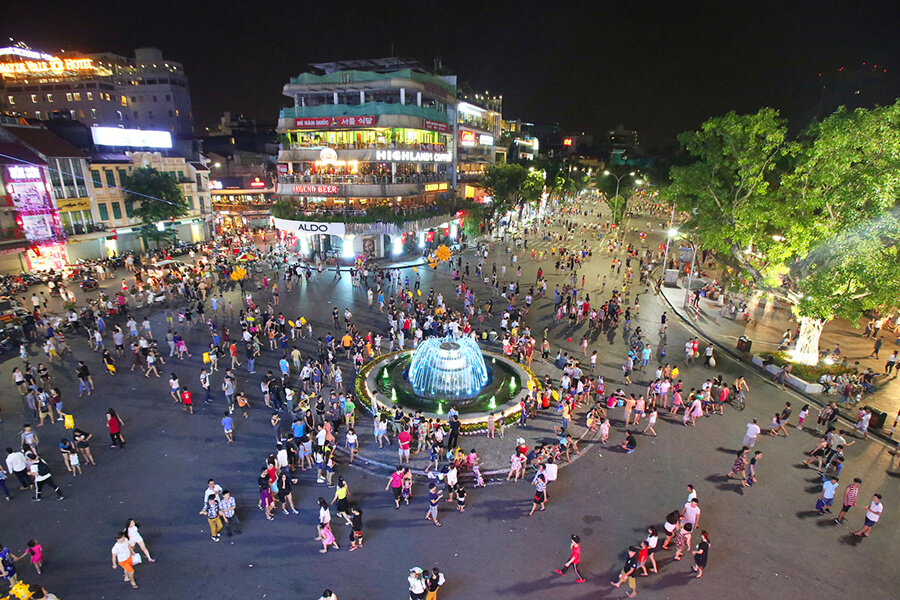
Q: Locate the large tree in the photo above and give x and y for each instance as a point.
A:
(812, 221)
(506, 183)
(616, 180)
(157, 197)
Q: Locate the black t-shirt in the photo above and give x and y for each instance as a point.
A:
(454, 426)
(631, 564)
(356, 521)
(786, 413)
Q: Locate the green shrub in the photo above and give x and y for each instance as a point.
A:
(810, 373)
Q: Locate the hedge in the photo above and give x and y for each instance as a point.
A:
(810, 373)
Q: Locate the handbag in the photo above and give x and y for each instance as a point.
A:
(712, 361)
(136, 559)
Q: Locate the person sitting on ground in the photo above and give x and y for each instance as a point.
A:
(630, 443)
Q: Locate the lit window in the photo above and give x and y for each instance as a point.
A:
(124, 101)
(12, 101)
(119, 112)
(94, 113)
(49, 97)
(34, 98)
(77, 96)
(69, 96)
(37, 114)
(90, 95)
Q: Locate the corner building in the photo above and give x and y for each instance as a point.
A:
(367, 156)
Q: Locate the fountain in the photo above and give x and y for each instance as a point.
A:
(444, 372)
(448, 368)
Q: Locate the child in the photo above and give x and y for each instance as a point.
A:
(228, 425)
(187, 400)
(406, 489)
(243, 403)
(774, 428)
(604, 431)
(352, 443)
(652, 421)
(643, 554)
(37, 555)
(479, 480)
(461, 499)
(75, 465)
(433, 456)
(803, 412)
(327, 538)
(490, 426)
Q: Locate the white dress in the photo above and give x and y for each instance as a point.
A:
(134, 536)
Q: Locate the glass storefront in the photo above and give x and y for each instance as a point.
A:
(411, 139)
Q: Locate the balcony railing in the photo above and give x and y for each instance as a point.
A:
(364, 179)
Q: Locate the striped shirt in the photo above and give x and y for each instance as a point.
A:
(850, 495)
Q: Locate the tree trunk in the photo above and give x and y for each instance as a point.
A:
(807, 352)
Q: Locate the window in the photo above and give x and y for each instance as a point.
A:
(12, 101)
(132, 99)
(122, 175)
(177, 112)
(94, 114)
(110, 178)
(190, 200)
(90, 95)
(124, 101)
(34, 98)
(69, 96)
(77, 96)
(95, 178)
(149, 114)
(49, 97)
(117, 210)
(129, 209)
(119, 112)
(104, 212)
(168, 98)
(154, 98)
(37, 114)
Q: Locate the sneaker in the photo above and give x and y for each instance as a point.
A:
(320, 480)
(215, 538)
(60, 497)
(35, 499)
(581, 580)
(296, 512)
(284, 510)
(559, 572)
(838, 521)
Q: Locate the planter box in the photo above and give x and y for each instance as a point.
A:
(791, 380)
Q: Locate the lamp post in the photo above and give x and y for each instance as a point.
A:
(618, 179)
(671, 233)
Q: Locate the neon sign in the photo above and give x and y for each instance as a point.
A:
(411, 156)
(467, 138)
(54, 65)
(436, 187)
(20, 173)
(315, 189)
(257, 183)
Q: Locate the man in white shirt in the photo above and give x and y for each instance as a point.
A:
(691, 513)
(212, 489)
(121, 557)
(692, 493)
(18, 466)
(873, 513)
(551, 470)
(752, 435)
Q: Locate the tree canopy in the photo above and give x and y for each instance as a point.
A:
(814, 220)
(156, 196)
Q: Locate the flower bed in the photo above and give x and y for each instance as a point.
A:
(810, 373)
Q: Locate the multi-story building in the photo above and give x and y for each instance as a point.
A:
(366, 138)
(144, 92)
(479, 120)
(31, 235)
(241, 195)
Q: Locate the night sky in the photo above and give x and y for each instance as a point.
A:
(657, 67)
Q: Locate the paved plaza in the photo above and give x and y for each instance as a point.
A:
(766, 541)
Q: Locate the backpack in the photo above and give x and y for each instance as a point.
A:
(43, 469)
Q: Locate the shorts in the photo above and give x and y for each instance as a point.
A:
(351, 445)
(397, 491)
(229, 430)
(869, 522)
(126, 565)
(540, 497)
(846, 507)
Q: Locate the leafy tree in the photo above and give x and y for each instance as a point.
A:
(813, 221)
(506, 183)
(156, 197)
(608, 185)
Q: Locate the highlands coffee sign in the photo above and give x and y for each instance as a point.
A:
(412, 156)
(310, 227)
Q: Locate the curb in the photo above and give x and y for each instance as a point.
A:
(877, 433)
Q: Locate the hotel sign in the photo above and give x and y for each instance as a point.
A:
(316, 190)
(55, 65)
(412, 156)
(324, 122)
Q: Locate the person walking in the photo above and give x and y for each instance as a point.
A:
(40, 470)
(574, 560)
(132, 528)
(434, 500)
(121, 557)
(114, 426)
(752, 434)
(850, 495)
(211, 510)
(873, 513)
(627, 573)
(701, 554)
(435, 581)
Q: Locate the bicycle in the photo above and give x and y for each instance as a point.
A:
(737, 400)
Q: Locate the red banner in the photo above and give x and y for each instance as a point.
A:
(322, 122)
(436, 126)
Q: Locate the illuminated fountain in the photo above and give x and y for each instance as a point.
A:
(445, 372)
(448, 368)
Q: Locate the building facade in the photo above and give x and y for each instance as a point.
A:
(144, 92)
(365, 138)
(479, 120)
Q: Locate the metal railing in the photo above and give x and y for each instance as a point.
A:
(364, 179)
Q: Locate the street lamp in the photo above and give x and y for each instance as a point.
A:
(619, 179)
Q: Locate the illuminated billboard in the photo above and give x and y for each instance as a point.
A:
(132, 138)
